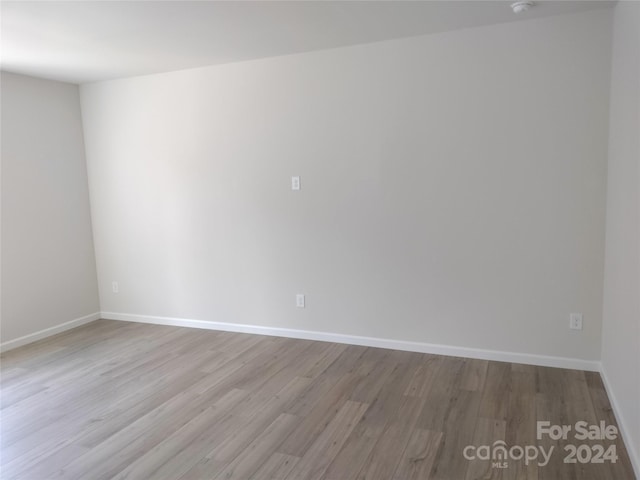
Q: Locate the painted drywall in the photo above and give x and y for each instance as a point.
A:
(48, 264)
(621, 319)
(453, 188)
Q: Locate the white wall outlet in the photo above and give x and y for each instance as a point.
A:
(295, 183)
(300, 300)
(114, 287)
(575, 321)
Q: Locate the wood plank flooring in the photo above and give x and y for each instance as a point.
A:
(133, 401)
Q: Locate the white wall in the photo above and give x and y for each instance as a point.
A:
(621, 323)
(48, 265)
(453, 188)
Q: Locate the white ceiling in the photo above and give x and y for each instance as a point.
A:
(85, 41)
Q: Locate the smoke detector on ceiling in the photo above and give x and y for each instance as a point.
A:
(520, 7)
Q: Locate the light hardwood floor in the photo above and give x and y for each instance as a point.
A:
(134, 401)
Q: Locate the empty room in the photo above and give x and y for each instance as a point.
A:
(320, 240)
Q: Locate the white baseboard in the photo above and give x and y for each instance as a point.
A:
(47, 332)
(500, 356)
(632, 449)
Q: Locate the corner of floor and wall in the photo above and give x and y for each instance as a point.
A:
(166, 198)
